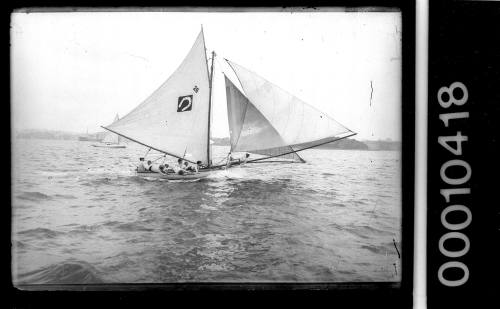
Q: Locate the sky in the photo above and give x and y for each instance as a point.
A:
(75, 71)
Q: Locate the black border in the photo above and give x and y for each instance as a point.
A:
(352, 294)
(464, 47)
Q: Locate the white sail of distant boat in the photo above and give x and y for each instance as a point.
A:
(111, 140)
(263, 119)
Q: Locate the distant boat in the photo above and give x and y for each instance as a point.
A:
(263, 119)
(111, 140)
(88, 137)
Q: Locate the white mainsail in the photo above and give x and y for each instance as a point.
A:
(112, 138)
(268, 120)
(174, 119)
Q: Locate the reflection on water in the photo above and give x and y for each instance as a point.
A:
(80, 215)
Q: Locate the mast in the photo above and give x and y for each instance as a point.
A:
(210, 107)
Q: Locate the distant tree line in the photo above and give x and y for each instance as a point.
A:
(60, 135)
(347, 143)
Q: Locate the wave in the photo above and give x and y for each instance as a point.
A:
(111, 223)
(98, 181)
(182, 180)
(375, 249)
(40, 233)
(361, 202)
(20, 245)
(249, 207)
(126, 227)
(65, 196)
(60, 173)
(374, 230)
(38, 196)
(365, 232)
(69, 272)
(83, 229)
(34, 196)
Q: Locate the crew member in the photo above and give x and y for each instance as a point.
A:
(245, 159)
(198, 166)
(148, 166)
(141, 168)
(179, 169)
(188, 167)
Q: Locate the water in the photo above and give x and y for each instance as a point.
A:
(80, 215)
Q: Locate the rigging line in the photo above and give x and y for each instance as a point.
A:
(221, 161)
(259, 159)
(205, 50)
(296, 154)
(274, 156)
(241, 84)
(220, 65)
(136, 141)
(272, 161)
(158, 158)
(223, 71)
(277, 150)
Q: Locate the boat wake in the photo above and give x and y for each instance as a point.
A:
(105, 172)
(182, 180)
(233, 173)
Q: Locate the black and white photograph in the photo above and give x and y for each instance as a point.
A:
(205, 146)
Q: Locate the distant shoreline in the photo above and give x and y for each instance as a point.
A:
(344, 144)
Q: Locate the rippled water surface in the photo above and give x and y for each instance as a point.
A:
(81, 215)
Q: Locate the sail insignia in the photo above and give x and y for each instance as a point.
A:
(184, 103)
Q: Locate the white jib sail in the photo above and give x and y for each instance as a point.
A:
(298, 124)
(250, 131)
(112, 138)
(174, 119)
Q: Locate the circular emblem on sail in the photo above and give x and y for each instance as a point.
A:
(185, 103)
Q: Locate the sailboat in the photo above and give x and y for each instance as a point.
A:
(111, 140)
(87, 137)
(264, 120)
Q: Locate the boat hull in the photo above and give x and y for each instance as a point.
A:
(172, 176)
(109, 146)
(87, 139)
